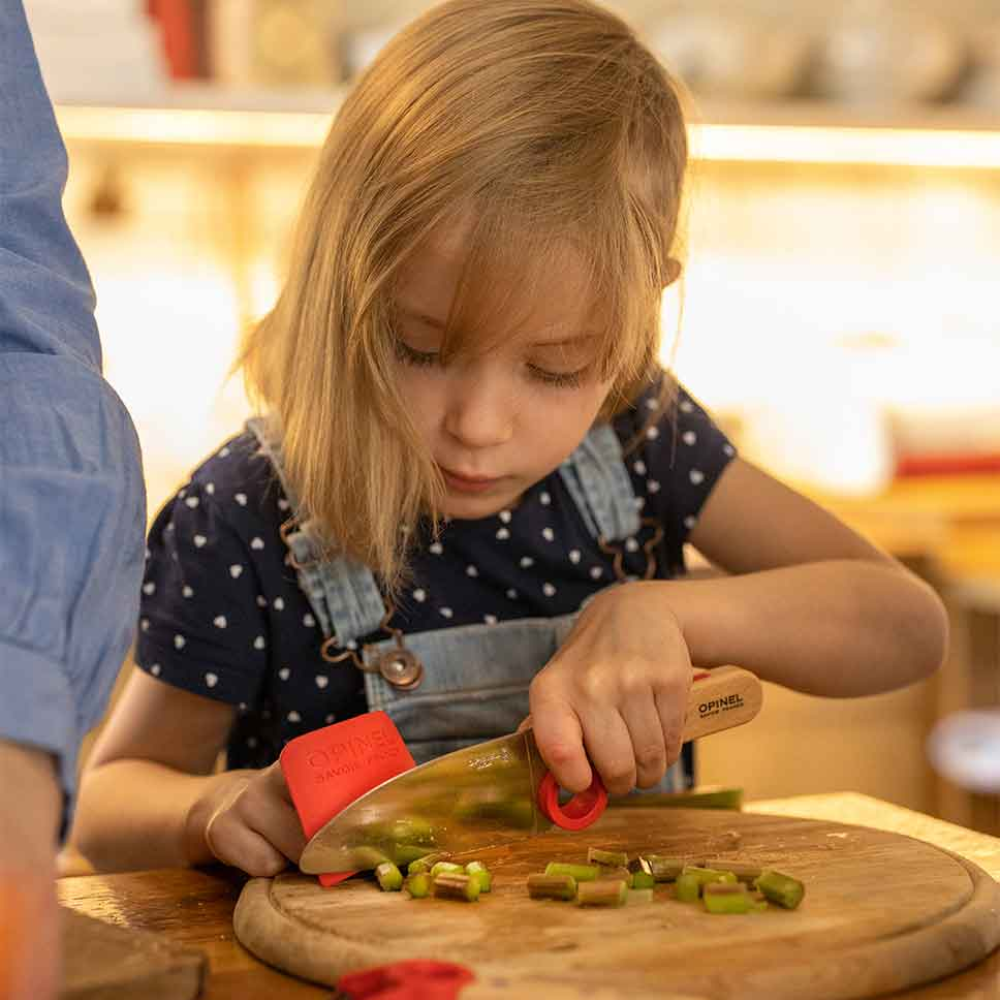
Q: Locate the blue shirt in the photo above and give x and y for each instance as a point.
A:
(72, 499)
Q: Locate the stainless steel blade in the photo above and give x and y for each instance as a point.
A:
(483, 795)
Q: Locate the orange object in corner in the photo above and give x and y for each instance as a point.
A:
(329, 768)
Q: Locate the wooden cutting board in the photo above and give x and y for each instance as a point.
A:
(105, 962)
(882, 912)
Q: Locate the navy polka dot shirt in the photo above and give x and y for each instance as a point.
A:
(222, 614)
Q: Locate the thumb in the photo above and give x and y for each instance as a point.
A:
(559, 738)
(274, 780)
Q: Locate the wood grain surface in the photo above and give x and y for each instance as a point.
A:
(882, 912)
(192, 908)
(196, 907)
(103, 961)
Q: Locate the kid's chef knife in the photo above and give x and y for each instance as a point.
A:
(494, 793)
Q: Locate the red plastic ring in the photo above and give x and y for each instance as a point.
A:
(424, 978)
(581, 810)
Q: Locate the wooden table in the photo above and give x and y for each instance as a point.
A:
(196, 907)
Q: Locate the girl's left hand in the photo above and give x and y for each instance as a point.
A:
(615, 695)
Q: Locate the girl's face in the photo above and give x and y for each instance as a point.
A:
(497, 421)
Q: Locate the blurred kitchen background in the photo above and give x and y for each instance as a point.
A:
(841, 310)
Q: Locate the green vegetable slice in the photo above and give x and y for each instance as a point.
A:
(704, 797)
(602, 892)
(418, 886)
(582, 873)
(612, 859)
(426, 863)
(722, 898)
(744, 872)
(642, 880)
(479, 871)
(781, 889)
(389, 877)
(449, 885)
(707, 875)
(446, 868)
(617, 873)
(552, 887)
(664, 869)
(688, 888)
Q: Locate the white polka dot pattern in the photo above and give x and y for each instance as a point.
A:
(222, 614)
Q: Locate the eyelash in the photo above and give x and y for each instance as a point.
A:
(427, 359)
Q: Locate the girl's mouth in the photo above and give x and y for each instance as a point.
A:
(467, 484)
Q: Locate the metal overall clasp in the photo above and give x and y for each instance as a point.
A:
(399, 666)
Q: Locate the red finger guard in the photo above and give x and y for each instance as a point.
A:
(327, 769)
(586, 808)
(581, 810)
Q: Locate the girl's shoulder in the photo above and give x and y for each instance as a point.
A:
(662, 412)
(236, 477)
(674, 452)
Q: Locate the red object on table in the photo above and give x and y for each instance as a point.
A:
(327, 769)
(413, 980)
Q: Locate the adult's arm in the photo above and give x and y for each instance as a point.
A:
(72, 501)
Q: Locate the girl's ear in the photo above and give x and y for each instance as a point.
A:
(672, 271)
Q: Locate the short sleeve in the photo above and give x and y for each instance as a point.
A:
(680, 455)
(200, 625)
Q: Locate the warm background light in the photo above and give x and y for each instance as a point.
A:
(825, 304)
(838, 303)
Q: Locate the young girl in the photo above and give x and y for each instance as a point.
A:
(468, 492)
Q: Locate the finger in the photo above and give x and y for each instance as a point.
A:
(645, 729)
(234, 843)
(268, 810)
(559, 738)
(525, 723)
(671, 706)
(610, 747)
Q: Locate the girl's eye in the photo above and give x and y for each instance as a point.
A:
(411, 356)
(425, 359)
(560, 380)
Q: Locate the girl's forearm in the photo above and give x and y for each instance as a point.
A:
(836, 628)
(140, 814)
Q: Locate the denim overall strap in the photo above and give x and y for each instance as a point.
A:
(475, 685)
(596, 478)
(477, 676)
(342, 592)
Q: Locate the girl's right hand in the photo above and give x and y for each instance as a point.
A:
(251, 822)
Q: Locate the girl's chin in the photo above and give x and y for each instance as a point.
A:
(470, 508)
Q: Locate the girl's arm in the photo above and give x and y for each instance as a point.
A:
(810, 605)
(148, 792)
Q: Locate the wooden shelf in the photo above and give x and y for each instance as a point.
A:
(787, 132)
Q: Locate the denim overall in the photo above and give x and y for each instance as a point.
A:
(476, 677)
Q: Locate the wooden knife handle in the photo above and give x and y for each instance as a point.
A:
(720, 699)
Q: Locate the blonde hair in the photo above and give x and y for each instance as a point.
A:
(550, 126)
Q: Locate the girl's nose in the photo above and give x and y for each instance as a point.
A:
(480, 412)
